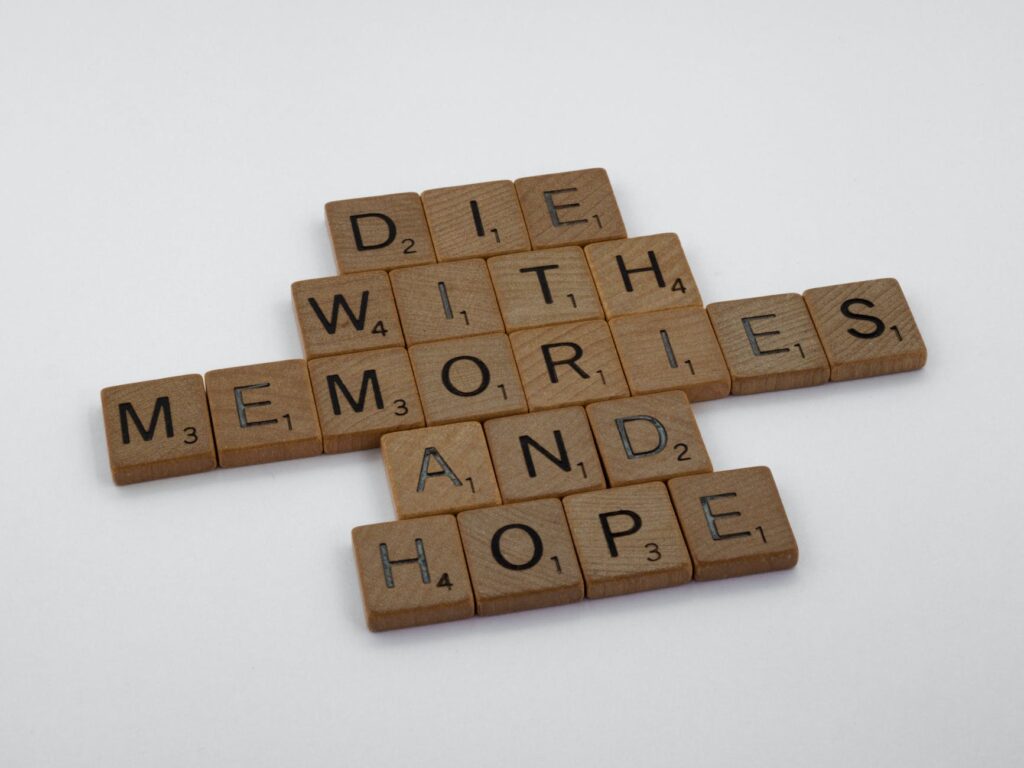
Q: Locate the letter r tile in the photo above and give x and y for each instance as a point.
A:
(648, 437)
(412, 572)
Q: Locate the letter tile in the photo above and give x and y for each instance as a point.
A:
(439, 469)
(734, 523)
(627, 540)
(412, 572)
(381, 232)
(158, 428)
(520, 557)
(571, 208)
(263, 413)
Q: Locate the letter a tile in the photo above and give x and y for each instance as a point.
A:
(439, 469)
(157, 429)
(412, 572)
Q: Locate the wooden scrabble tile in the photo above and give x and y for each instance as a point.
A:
(475, 220)
(158, 428)
(671, 349)
(363, 395)
(412, 572)
(439, 469)
(520, 557)
(734, 523)
(381, 232)
(349, 313)
(572, 208)
(446, 301)
(569, 364)
(544, 288)
(627, 540)
(648, 437)
(467, 379)
(263, 413)
(769, 343)
(642, 274)
(545, 454)
(866, 328)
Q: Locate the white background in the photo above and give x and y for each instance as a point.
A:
(163, 173)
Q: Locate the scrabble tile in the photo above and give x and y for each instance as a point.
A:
(475, 220)
(569, 364)
(572, 208)
(520, 557)
(412, 572)
(263, 413)
(734, 523)
(363, 395)
(343, 314)
(446, 301)
(545, 454)
(866, 328)
(439, 469)
(671, 349)
(383, 232)
(642, 274)
(769, 343)
(648, 437)
(464, 379)
(158, 428)
(627, 540)
(544, 288)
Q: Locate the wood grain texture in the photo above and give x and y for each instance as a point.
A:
(546, 454)
(467, 379)
(159, 428)
(362, 396)
(570, 364)
(446, 301)
(769, 343)
(642, 274)
(627, 540)
(481, 219)
(412, 572)
(350, 313)
(263, 413)
(671, 349)
(570, 208)
(734, 523)
(648, 437)
(544, 288)
(440, 469)
(382, 232)
(520, 557)
(866, 329)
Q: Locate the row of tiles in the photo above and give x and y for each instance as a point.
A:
(549, 552)
(346, 402)
(415, 305)
(482, 219)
